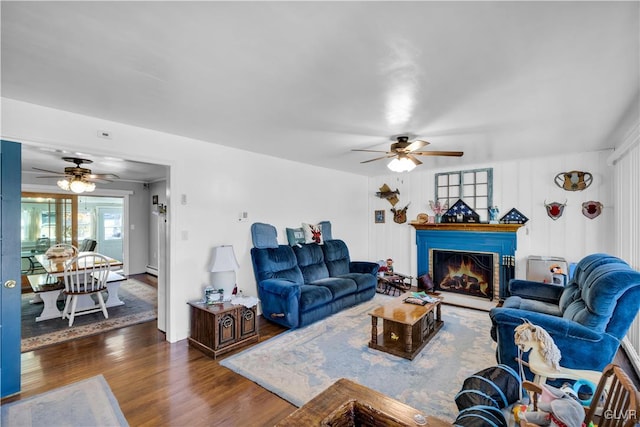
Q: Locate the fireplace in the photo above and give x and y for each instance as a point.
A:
(469, 273)
(497, 239)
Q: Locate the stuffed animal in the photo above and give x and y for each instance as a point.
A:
(557, 407)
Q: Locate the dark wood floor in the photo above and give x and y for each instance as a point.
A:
(156, 382)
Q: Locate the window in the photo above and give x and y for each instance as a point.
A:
(474, 187)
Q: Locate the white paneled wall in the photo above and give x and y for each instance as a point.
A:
(627, 196)
(523, 184)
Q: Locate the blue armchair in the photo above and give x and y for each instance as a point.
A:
(587, 319)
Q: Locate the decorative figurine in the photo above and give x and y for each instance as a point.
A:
(493, 214)
(389, 266)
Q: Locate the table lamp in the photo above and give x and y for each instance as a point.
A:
(224, 266)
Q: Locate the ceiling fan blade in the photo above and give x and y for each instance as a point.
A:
(380, 158)
(416, 145)
(48, 171)
(414, 159)
(53, 176)
(371, 151)
(102, 176)
(438, 153)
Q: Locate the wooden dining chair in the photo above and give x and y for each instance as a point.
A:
(85, 275)
(615, 403)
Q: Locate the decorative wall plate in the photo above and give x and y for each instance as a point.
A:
(573, 180)
(555, 209)
(591, 209)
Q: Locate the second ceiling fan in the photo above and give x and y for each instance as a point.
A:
(404, 153)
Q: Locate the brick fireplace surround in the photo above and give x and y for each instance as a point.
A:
(500, 239)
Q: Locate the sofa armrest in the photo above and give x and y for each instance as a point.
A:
(539, 291)
(363, 267)
(280, 287)
(280, 301)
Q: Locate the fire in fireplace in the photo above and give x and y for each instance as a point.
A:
(469, 273)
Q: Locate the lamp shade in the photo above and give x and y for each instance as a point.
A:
(224, 259)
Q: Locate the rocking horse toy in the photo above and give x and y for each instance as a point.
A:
(544, 356)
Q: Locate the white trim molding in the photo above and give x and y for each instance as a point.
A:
(631, 140)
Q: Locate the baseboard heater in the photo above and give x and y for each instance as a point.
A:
(152, 270)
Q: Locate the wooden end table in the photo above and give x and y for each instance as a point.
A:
(222, 327)
(406, 328)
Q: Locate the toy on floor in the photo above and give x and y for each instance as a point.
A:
(557, 407)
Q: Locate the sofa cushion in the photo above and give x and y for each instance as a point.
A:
(314, 296)
(362, 280)
(311, 262)
(339, 286)
(531, 305)
(326, 230)
(276, 263)
(264, 235)
(336, 256)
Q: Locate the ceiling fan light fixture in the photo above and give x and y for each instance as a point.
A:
(63, 184)
(401, 164)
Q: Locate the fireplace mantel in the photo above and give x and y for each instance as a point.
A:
(459, 226)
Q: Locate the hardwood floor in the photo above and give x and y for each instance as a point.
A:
(157, 383)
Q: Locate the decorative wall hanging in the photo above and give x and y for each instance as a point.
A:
(379, 217)
(386, 193)
(591, 209)
(460, 212)
(400, 215)
(573, 180)
(514, 217)
(555, 209)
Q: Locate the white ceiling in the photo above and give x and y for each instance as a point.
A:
(310, 81)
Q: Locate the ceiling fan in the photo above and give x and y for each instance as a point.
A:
(404, 153)
(76, 178)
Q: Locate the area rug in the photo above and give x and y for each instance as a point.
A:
(84, 403)
(140, 306)
(299, 364)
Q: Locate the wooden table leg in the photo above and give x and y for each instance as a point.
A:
(408, 339)
(374, 330)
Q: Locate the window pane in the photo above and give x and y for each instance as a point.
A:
(454, 193)
(469, 178)
(481, 176)
(469, 191)
(443, 193)
(482, 190)
(442, 180)
(454, 179)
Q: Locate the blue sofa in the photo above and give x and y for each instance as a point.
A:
(300, 284)
(587, 318)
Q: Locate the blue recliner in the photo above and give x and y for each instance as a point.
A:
(587, 319)
(298, 285)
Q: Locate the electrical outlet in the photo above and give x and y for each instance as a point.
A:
(243, 216)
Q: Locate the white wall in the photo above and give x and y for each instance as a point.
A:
(523, 184)
(218, 183)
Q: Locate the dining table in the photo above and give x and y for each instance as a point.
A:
(48, 286)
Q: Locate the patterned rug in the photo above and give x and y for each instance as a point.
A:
(299, 364)
(140, 306)
(67, 406)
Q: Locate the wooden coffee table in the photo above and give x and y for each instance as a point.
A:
(406, 328)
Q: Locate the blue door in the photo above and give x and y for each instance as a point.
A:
(10, 288)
